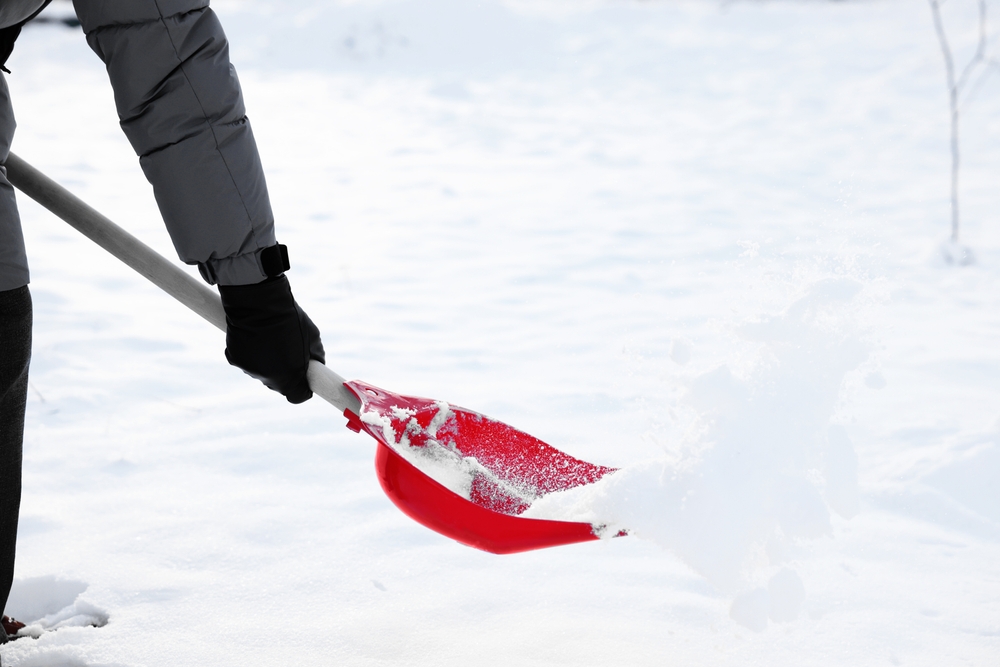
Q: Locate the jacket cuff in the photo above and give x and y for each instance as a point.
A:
(239, 270)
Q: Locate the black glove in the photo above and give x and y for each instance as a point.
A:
(270, 337)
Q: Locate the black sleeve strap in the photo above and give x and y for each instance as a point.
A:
(274, 260)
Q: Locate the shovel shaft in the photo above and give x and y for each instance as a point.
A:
(160, 271)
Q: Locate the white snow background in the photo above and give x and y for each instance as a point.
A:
(695, 240)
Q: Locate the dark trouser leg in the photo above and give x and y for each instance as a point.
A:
(15, 352)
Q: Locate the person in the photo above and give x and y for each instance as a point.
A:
(180, 105)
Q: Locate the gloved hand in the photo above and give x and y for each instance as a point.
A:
(270, 337)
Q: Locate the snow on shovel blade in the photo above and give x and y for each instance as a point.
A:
(467, 476)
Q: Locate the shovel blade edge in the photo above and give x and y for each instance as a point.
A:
(444, 511)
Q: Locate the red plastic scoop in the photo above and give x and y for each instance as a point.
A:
(491, 472)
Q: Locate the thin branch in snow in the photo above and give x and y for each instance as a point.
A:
(980, 54)
(990, 66)
(37, 393)
(955, 89)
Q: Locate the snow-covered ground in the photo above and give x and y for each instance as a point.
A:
(697, 241)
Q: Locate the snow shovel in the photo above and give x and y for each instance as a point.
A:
(453, 470)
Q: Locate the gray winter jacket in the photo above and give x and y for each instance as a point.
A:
(13, 12)
(181, 107)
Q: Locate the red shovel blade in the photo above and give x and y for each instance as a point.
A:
(491, 472)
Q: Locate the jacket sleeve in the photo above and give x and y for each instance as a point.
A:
(181, 107)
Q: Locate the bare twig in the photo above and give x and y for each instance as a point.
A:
(955, 88)
(990, 66)
(980, 54)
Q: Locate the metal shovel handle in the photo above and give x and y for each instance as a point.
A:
(160, 271)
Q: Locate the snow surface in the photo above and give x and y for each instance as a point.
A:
(697, 241)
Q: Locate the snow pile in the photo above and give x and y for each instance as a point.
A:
(50, 603)
(763, 468)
